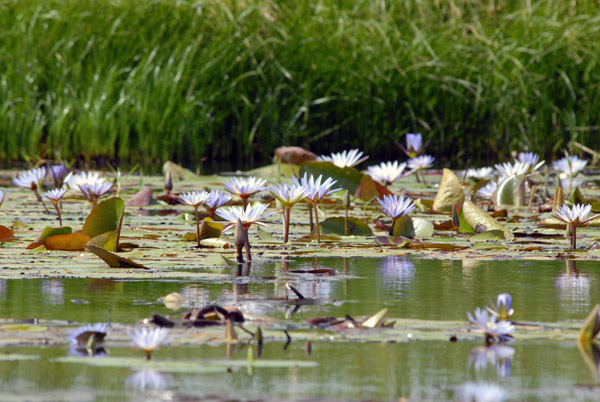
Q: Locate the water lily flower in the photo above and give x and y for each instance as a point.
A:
(149, 340)
(251, 215)
(315, 191)
(195, 199)
(89, 337)
(217, 199)
(395, 207)
(3, 195)
(55, 195)
(94, 190)
(481, 392)
(530, 158)
(75, 180)
(59, 174)
(568, 168)
(245, 187)
(414, 145)
(344, 159)
(503, 308)
(574, 216)
(288, 195)
(386, 172)
(32, 179)
(508, 169)
(480, 173)
(420, 163)
(494, 331)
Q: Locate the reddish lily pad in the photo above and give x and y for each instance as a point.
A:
(6, 234)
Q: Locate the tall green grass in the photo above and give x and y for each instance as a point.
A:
(230, 80)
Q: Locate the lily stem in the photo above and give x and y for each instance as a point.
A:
(247, 245)
(317, 223)
(287, 225)
(197, 227)
(574, 239)
(58, 212)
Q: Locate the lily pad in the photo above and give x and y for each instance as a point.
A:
(107, 241)
(449, 194)
(510, 191)
(114, 260)
(356, 227)
(475, 215)
(68, 242)
(6, 233)
(411, 227)
(50, 231)
(488, 235)
(351, 179)
(105, 217)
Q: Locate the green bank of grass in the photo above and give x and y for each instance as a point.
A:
(230, 80)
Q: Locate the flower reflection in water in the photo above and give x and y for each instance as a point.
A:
(481, 392)
(495, 355)
(397, 272)
(147, 380)
(574, 286)
(53, 292)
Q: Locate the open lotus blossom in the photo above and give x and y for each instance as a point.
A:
(315, 191)
(395, 207)
(494, 331)
(288, 195)
(344, 159)
(386, 172)
(530, 158)
(55, 195)
(217, 199)
(574, 216)
(81, 336)
(503, 308)
(59, 174)
(481, 392)
(480, 173)
(245, 187)
(149, 340)
(508, 169)
(249, 216)
(195, 199)
(94, 190)
(3, 195)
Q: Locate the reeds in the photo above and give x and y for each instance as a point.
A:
(153, 80)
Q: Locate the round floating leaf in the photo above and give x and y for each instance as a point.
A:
(449, 194)
(356, 227)
(105, 217)
(488, 235)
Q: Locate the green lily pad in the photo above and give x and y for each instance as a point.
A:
(449, 194)
(356, 227)
(347, 178)
(411, 227)
(475, 215)
(50, 231)
(107, 241)
(105, 217)
(488, 235)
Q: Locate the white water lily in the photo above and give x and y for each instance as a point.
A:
(503, 308)
(75, 180)
(386, 172)
(217, 199)
(414, 142)
(149, 340)
(31, 179)
(488, 190)
(420, 162)
(508, 169)
(95, 189)
(574, 216)
(494, 331)
(570, 165)
(288, 194)
(343, 159)
(480, 173)
(252, 215)
(396, 206)
(245, 187)
(530, 158)
(195, 198)
(55, 194)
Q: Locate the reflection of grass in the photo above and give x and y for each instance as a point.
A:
(132, 78)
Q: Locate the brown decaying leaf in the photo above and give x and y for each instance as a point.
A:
(142, 199)
(71, 242)
(6, 234)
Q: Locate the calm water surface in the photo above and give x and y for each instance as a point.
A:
(411, 288)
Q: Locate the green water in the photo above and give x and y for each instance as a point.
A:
(411, 288)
